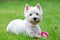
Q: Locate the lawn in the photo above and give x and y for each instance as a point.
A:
(10, 10)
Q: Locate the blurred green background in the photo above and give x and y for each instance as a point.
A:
(14, 9)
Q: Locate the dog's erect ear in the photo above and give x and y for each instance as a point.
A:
(38, 6)
(27, 7)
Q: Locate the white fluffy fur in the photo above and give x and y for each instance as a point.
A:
(27, 26)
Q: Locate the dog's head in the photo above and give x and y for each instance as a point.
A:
(33, 14)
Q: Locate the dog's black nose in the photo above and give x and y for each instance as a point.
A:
(35, 18)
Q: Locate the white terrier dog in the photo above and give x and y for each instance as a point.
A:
(29, 26)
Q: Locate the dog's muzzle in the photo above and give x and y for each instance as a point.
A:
(35, 20)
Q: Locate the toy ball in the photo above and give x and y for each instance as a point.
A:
(44, 34)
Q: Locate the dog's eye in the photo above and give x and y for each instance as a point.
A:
(36, 13)
(30, 14)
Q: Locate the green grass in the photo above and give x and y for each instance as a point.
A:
(15, 10)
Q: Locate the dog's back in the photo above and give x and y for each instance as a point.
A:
(16, 26)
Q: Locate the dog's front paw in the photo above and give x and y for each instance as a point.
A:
(37, 36)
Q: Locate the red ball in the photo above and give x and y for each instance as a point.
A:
(44, 34)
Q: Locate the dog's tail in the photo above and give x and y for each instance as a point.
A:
(7, 29)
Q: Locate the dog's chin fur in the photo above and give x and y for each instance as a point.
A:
(27, 26)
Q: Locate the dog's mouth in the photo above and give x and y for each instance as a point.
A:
(34, 22)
